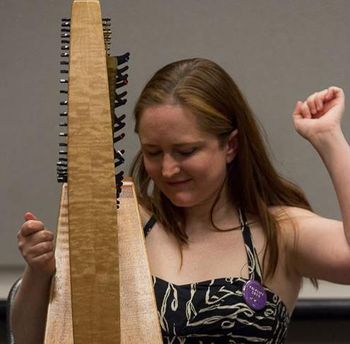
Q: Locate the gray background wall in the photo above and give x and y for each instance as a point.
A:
(277, 51)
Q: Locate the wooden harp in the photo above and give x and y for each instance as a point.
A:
(102, 291)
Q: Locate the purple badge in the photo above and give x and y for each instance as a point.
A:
(254, 295)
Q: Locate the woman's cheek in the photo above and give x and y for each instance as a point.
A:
(150, 168)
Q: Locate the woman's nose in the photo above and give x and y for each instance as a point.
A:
(170, 166)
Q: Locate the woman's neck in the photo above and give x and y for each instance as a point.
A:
(224, 215)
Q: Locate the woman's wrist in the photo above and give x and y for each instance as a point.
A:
(37, 275)
(328, 141)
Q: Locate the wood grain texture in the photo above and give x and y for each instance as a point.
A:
(139, 317)
(59, 327)
(138, 311)
(102, 291)
(93, 240)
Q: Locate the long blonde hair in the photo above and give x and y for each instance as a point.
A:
(219, 106)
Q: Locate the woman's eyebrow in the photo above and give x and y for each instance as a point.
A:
(176, 145)
(192, 143)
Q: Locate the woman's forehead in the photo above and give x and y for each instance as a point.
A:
(170, 122)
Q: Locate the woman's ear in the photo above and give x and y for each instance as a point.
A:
(232, 146)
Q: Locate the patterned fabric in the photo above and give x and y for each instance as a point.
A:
(214, 311)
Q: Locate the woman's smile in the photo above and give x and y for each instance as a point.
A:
(186, 163)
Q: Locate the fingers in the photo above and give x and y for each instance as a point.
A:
(334, 93)
(34, 239)
(316, 104)
(34, 253)
(29, 216)
(30, 227)
(302, 110)
(297, 110)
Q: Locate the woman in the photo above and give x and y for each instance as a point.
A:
(228, 239)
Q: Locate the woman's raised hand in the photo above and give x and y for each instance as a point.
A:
(36, 245)
(320, 114)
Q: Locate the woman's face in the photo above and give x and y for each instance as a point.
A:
(187, 164)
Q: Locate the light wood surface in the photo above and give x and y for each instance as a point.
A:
(139, 317)
(102, 291)
(59, 326)
(138, 311)
(93, 241)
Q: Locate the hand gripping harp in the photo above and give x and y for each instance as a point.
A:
(102, 291)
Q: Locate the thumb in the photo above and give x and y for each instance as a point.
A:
(297, 110)
(29, 216)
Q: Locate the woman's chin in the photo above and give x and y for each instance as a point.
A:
(181, 202)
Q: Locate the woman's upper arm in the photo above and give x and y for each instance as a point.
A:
(317, 247)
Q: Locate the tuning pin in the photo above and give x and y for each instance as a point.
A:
(65, 41)
(63, 81)
(119, 159)
(120, 96)
(64, 63)
(123, 58)
(65, 35)
(63, 124)
(119, 122)
(119, 177)
(122, 70)
(62, 179)
(121, 76)
(62, 144)
(119, 99)
(64, 114)
(64, 102)
(119, 181)
(65, 19)
(65, 24)
(61, 168)
(119, 102)
(64, 54)
(65, 47)
(62, 163)
(122, 82)
(63, 134)
(118, 138)
(63, 91)
(65, 30)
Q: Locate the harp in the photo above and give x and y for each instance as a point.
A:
(102, 291)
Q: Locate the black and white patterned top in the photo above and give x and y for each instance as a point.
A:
(214, 311)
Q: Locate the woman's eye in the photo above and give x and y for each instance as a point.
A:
(153, 153)
(187, 152)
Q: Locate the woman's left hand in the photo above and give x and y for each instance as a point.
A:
(320, 114)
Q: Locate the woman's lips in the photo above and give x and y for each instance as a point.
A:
(178, 182)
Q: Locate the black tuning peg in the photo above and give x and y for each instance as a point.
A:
(123, 58)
